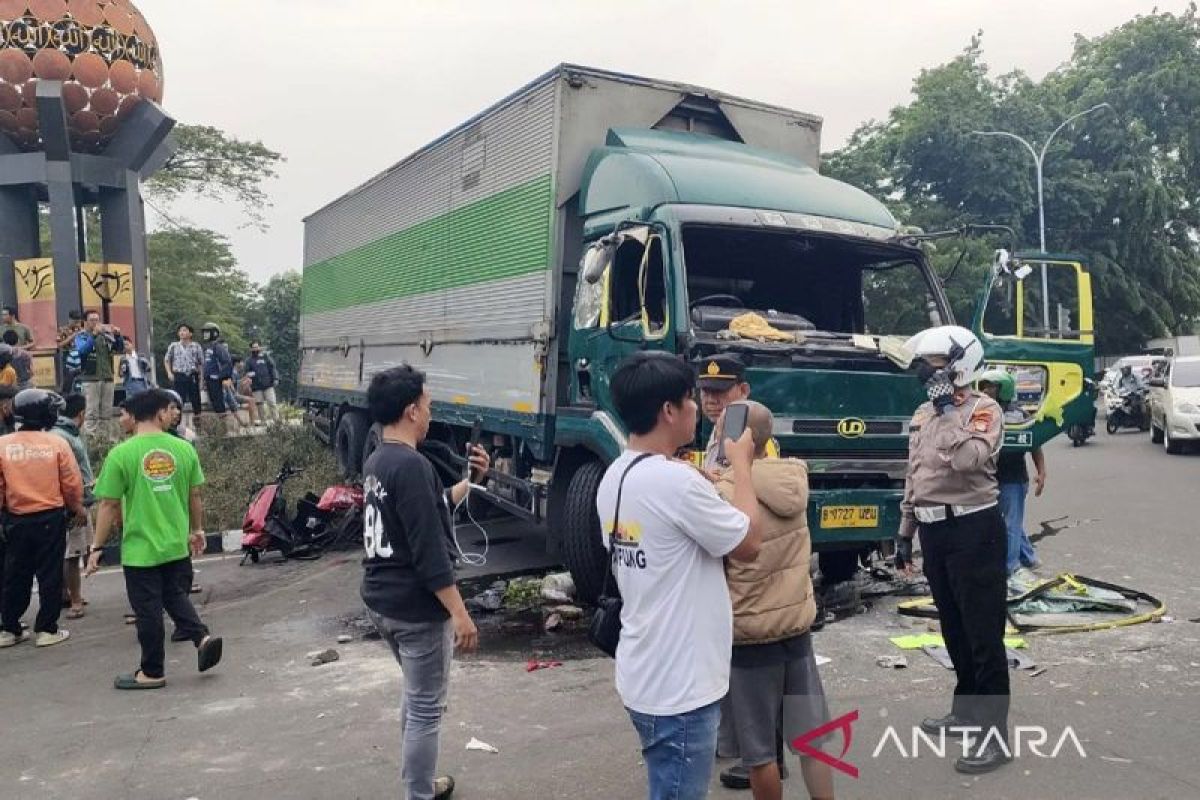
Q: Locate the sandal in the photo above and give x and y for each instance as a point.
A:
(130, 681)
(76, 613)
(208, 654)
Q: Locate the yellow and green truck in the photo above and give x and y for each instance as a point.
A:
(519, 257)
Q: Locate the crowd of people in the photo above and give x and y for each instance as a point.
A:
(711, 557)
(59, 512)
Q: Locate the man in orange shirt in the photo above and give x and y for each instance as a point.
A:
(40, 485)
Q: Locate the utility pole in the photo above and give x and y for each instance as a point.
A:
(1039, 159)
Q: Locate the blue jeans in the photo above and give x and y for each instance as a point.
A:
(1012, 508)
(423, 650)
(679, 751)
(135, 386)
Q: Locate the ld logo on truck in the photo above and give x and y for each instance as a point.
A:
(851, 427)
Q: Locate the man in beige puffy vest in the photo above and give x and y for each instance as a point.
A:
(774, 670)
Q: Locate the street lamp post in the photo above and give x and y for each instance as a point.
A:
(1039, 159)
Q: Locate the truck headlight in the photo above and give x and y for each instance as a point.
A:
(1187, 408)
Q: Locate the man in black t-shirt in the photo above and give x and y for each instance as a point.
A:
(408, 575)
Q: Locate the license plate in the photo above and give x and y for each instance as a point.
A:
(850, 517)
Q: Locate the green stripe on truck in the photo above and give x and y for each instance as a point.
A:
(501, 236)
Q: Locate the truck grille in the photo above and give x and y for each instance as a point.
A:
(878, 454)
(829, 427)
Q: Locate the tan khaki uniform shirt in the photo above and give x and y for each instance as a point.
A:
(952, 456)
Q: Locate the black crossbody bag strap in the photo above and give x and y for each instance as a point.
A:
(608, 576)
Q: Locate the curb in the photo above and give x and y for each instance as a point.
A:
(224, 542)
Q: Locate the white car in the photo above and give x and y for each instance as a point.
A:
(1175, 404)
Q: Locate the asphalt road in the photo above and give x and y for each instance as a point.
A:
(267, 724)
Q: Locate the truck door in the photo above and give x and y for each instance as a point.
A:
(623, 304)
(1035, 319)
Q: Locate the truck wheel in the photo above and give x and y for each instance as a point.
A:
(349, 443)
(837, 566)
(374, 439)
(582, 546)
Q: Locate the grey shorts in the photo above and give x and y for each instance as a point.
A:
(763, 696)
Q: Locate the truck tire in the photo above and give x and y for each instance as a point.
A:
(582, 547)
(349, 442)
(837, 566)
(373, 440)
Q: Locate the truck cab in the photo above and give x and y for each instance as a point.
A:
(698, 246)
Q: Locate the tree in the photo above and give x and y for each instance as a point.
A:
(212, 164)
(1120, 188)
(275, 321)
(195, 279)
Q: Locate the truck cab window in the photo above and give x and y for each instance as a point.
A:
(654, 288)
(817, 285)
(638, 285)
(588, 299)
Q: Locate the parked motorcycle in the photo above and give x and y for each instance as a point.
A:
(1129, 409)
(320, 523)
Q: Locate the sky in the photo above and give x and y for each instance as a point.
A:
(346, 88)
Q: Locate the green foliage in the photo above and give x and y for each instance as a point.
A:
(233, 464)
(275, 321)
(210, 163)
(194, 278)
(1120, 186)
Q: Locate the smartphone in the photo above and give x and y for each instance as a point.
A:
(735, 426)
(476, 434)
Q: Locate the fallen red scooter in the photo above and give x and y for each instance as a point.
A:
(331, 521)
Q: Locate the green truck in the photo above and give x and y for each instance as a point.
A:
(518, 258)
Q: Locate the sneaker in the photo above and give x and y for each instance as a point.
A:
(50, 639)
(443, 787)
(9, 640)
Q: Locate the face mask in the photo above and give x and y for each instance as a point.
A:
(940, 389)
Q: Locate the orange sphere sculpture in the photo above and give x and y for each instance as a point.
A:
(102, 50)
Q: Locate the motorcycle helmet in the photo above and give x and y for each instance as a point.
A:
(210, 332)
(961, 348)
(37, 409)
(1004, 380)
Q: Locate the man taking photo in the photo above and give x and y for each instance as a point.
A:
(668, 531)
(774, 685)
(96, 344)
(408, 575)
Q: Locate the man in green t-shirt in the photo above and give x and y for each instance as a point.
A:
(151, 482)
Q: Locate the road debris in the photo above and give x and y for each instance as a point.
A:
(345, 638)
(319, 657)
(823, 660)
(482, 747)
(892, 662)
(567, 611)
(533, 665)
(1117, 759)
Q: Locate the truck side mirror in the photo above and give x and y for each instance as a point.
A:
(596, 260)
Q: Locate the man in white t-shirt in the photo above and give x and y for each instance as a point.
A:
(673, 532)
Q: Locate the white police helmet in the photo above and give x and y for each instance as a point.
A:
(962, 348)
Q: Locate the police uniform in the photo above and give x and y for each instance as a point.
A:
(952, 495)
(722, 372)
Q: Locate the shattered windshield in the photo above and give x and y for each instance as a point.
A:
(801, 282)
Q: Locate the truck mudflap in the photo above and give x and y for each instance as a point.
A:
(852, 516)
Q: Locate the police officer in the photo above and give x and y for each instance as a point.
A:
(951, 496)
(722, 380)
